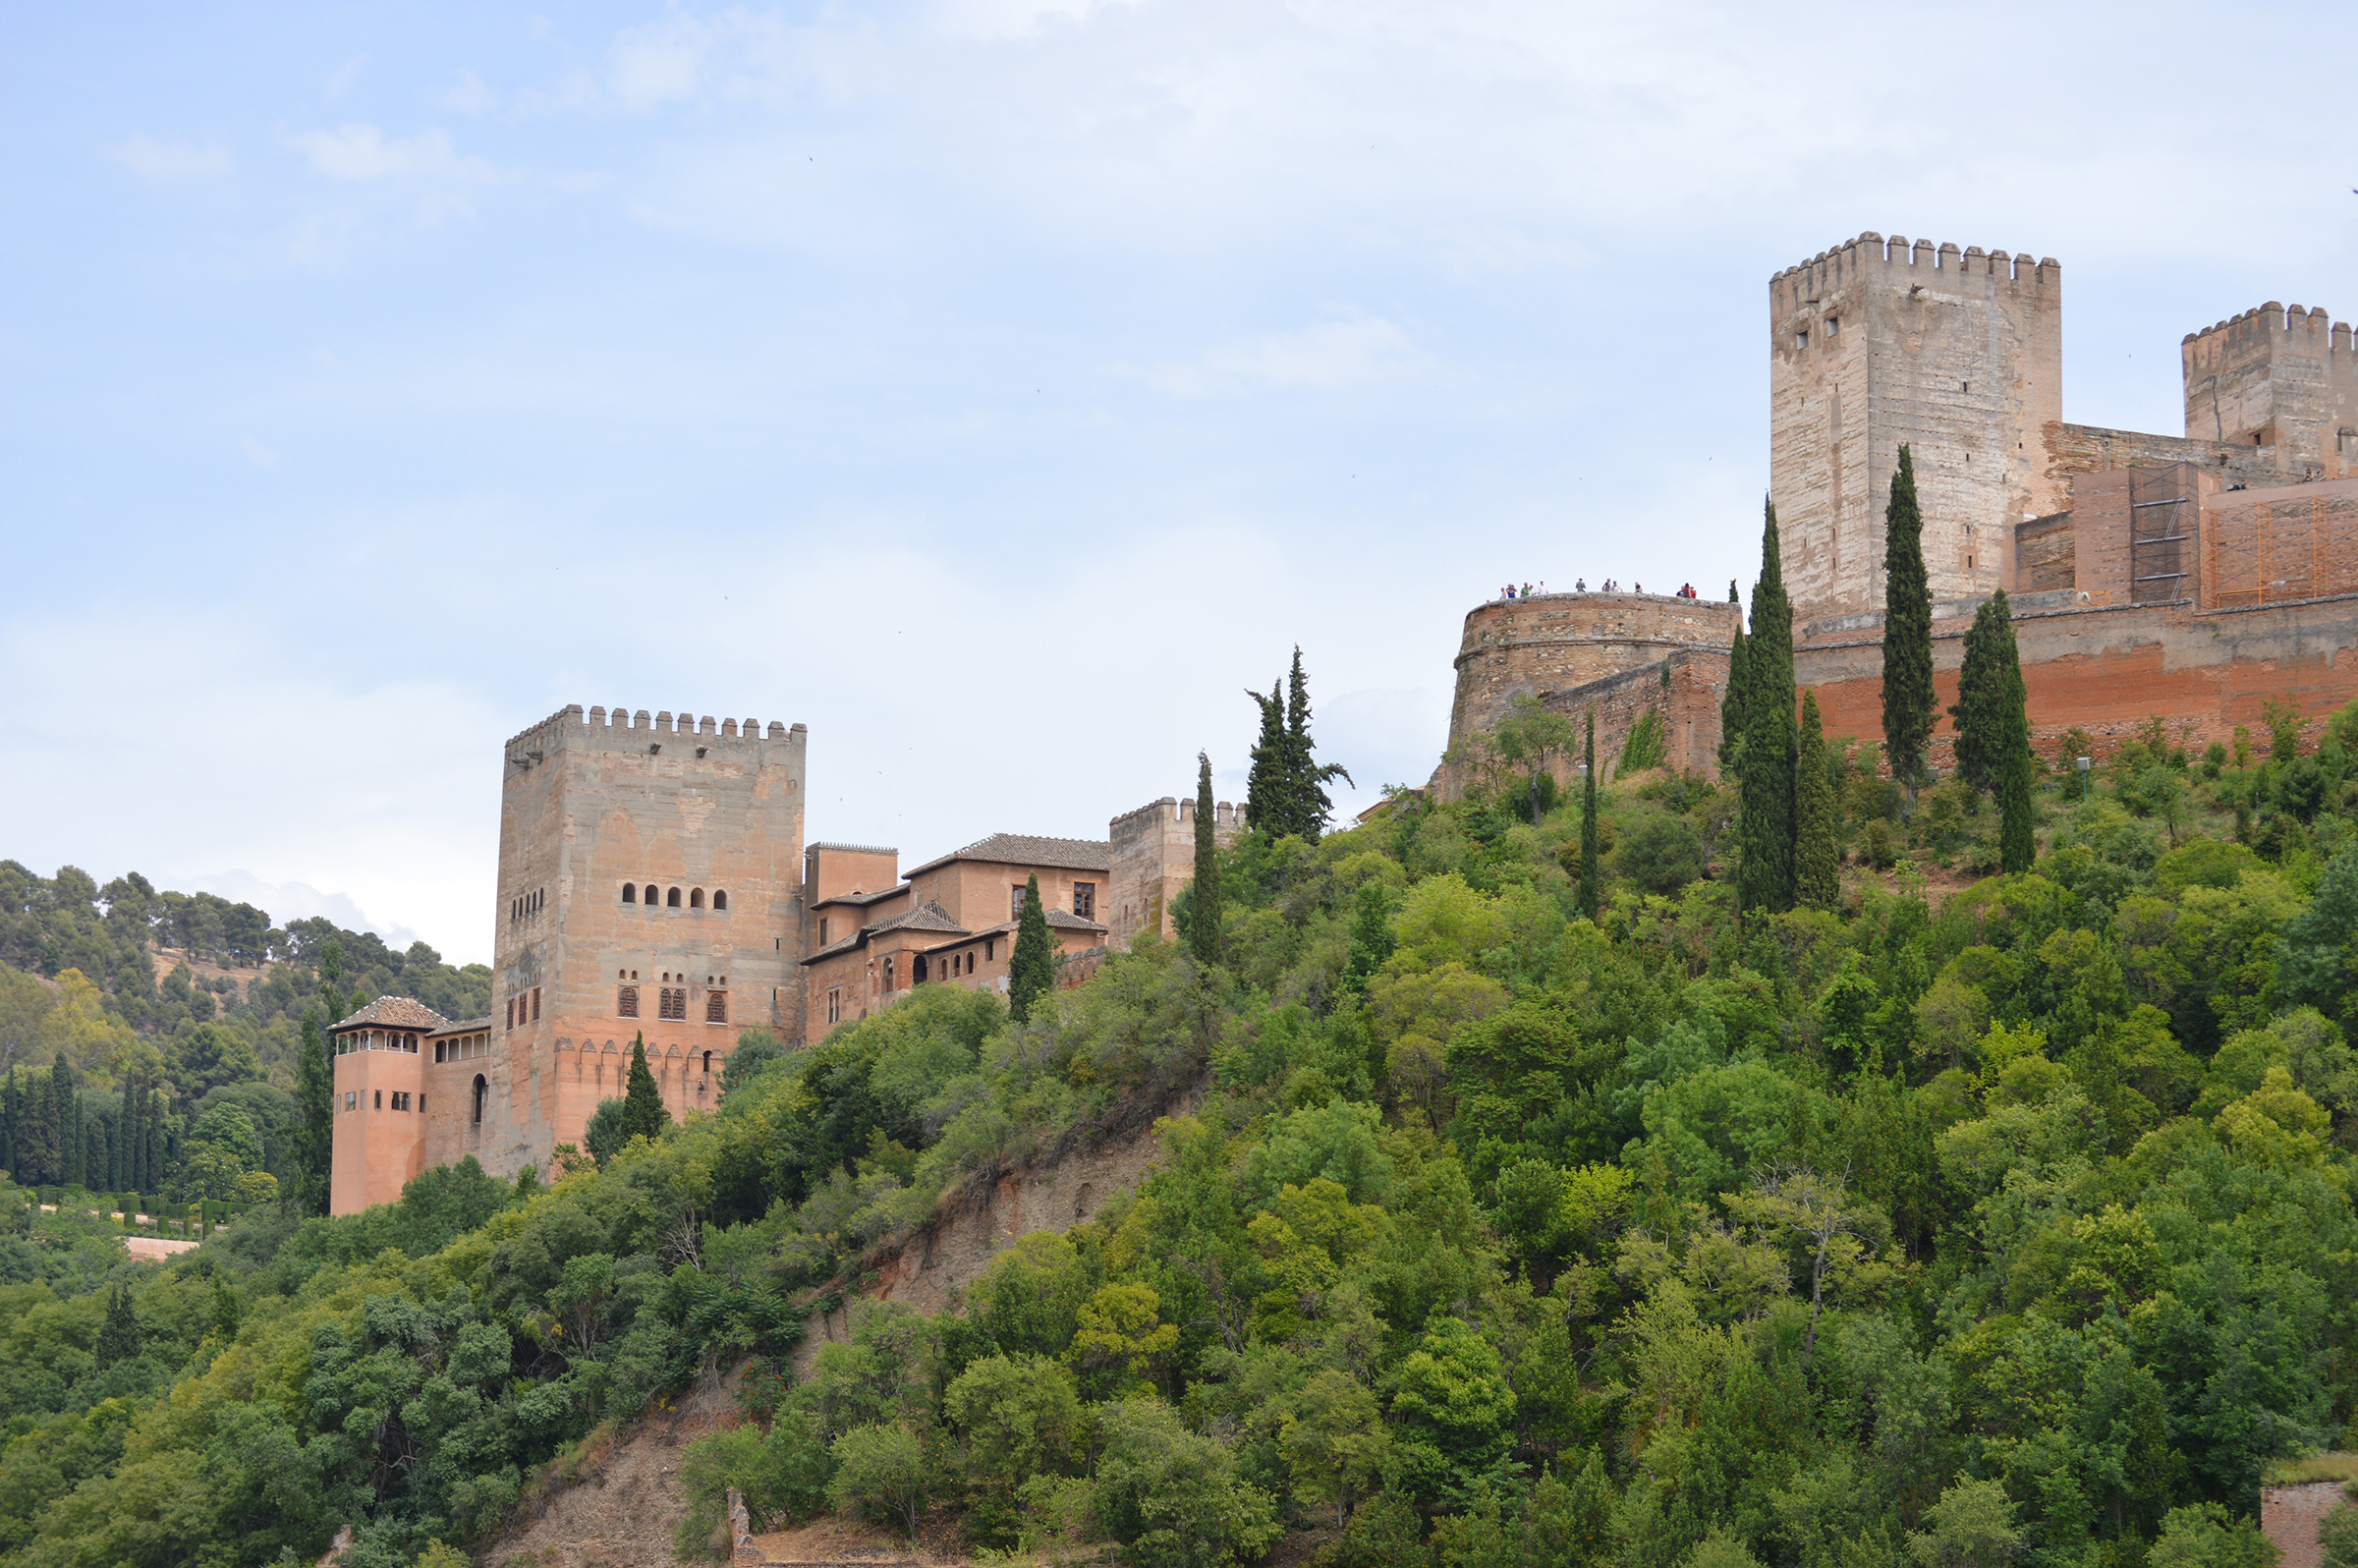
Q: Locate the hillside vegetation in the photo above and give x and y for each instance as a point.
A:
(2011, 1226)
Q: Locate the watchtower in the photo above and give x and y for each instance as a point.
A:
(2276, 378)
(1959, 355)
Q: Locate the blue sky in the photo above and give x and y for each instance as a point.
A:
(997, 387)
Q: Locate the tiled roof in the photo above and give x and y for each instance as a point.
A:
(1066, 921)
(929, 916)
(396, 1012)
(857, 849)
(1025, 849)
(862, 899)
(466, 1026)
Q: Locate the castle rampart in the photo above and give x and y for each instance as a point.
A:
(1154, 858)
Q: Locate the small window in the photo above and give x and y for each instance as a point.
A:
(626, 1001)
(535, 1004)
(351, 1099)
(990, 950)
(650, 895)
(380, 1099)
(421, 1104)
(1833, 325)
(482, 1094)
(834, 1007)
(672, 1003)
(671, 900)
(716, 1007)
(511, 1012)
(917, 969)
(630, 892)
(1801, 339)
(695, 898)
(707, 1064)
(1015, 903)
(888, 957)
(823, 931)
(439, 1051)
(1085, 900)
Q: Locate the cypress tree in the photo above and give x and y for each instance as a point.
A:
(1731, 707)
(1764, 879)
(1305, 779)
(1591, 874)
(1032, 967)
(2017, 845)
(1909, 703)
(642, 1109)
(1266, 809)
(62, 1130)
(135, 1136)
(12, 1101)
(118, 1337)
(315, 1120)
(1203, 917)
(1983, 694)
(1817, 880)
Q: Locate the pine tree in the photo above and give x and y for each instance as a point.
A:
(1909, 703)
(315, 1120)
(1764, 878)
(1817, 880)
(1305, 779)
(642, 1110)
(1032, 967)
(1591, 874)
(1984, 692)
(1265, 807)
(1204, 908)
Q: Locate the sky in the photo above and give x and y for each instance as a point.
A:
(997, 387)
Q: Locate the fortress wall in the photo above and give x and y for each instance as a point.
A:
(2076, 449)
(2107, 670)
(1153, 857)
(1553, 642)
(2280, 378)
(1686, 689)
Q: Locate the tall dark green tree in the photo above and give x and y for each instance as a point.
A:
(1591, 852)
(135, 1136)
(2017, 843)
(1731, 703)
(1817, 877)
(1985, 684)
(313, 1132)
(1765, 779)
(1204, 907)
(63, 1130)
(1909, 702)
(642, 1110)
(1032, 967)
(1308, 777)
(118, 1337)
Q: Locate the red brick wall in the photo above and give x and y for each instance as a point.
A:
(2289, 1517)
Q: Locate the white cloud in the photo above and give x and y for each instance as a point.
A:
(170, 160)
(467, 95)
(657, 63)
(360, 151)
(285, 902)
(1329, 355)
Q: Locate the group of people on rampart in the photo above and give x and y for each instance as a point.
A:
(1685, 591)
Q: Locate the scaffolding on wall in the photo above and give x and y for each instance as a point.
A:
(2161, 520)
(2268, 551)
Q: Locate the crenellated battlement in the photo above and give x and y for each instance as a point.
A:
(640, 728)
(2311, 331)
(1853, 259)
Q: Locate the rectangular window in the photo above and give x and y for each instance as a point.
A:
(401, 1099)
(716, 1007)
(511, 1012)
(823, 931)
(888, 971)
(535, 1004)
(380, 1099)
(1801, 339)
(437, 1050)
(672, 1003)
(1015, 902)
(626, 1002)
(835, 1007)
(421, 1104)
(1833, 325)
(1085, 900)
(990, 950)
(351, 1099)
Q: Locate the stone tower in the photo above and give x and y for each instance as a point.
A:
(650, 885)
(1959, 356)
(2273, 379)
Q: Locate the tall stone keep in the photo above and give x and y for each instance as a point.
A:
(1957, 353)
(649, 886)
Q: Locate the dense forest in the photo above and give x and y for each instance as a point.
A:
(1977, 1218)
(180, 1089)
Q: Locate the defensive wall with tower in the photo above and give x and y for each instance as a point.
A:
(2194, 578)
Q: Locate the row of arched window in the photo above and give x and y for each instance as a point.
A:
(651, 895)
(524, 903)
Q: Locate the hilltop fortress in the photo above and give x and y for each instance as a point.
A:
(2192, 577)
(655, 883)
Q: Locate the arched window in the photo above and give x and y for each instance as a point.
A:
(482, 1096)
(650, 895)
(721, 900)
(630, 893)
(671, 900)
(695, 898)
(707, 1064)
